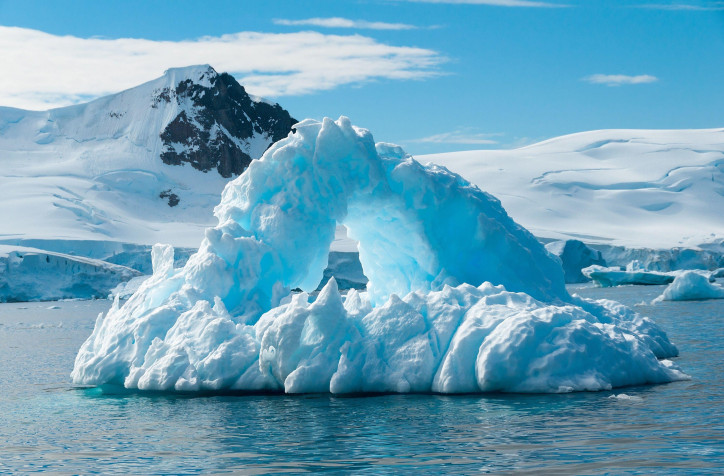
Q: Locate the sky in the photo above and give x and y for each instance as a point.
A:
(430, 75)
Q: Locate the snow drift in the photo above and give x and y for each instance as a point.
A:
(460, 298)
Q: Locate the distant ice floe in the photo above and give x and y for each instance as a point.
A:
(636, 273)
(626, 397)
(460, 298)
(28, 274)
(691, 286)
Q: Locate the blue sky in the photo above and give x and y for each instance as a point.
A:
(433, 76)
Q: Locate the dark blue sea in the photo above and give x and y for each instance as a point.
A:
(48, 425)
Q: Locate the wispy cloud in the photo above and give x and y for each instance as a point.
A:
(41, 70)
(497, 3)
(460, 136)
(696, 7)
(619, 79)
(337, 22)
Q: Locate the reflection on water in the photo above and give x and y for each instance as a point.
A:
(47, 425)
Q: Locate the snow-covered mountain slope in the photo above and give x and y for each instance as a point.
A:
(141, 166)
(633, 188)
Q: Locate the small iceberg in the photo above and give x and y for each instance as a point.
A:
(691, 286)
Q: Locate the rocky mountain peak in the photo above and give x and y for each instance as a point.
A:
(219, 125)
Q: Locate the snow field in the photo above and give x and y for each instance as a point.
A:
(655, 189)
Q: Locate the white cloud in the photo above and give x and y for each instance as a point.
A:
(336, 22)
(460, 136)
(497, 3)
(619, 79)
(41, 70)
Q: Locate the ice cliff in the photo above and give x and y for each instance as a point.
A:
(29, 274)
(460, 298)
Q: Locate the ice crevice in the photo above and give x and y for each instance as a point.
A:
(460, 297)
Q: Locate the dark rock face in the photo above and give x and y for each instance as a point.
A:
(208, 134)
(173, 199)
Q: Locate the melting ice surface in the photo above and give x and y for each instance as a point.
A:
(460, 298)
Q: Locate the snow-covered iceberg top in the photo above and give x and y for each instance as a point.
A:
(460, 298)
(691, 286)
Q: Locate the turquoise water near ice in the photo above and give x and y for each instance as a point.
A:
(46, 424)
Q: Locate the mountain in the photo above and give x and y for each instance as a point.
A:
(632, 189)
(138, 167)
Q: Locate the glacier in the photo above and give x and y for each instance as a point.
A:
(626, 191)
(637, 273)
(460, 298)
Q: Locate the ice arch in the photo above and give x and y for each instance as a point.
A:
(430, 243)
(418, 227)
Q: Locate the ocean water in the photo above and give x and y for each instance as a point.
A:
(47, 424)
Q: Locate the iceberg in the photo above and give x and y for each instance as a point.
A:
(460, 298)
(691, 286)
(574, 256)
(634, 273)
(30, 274)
